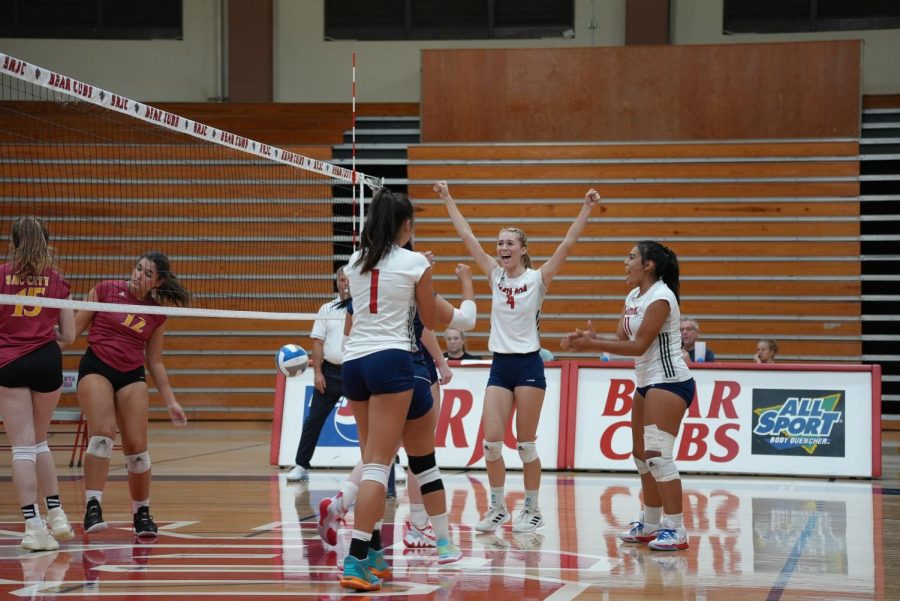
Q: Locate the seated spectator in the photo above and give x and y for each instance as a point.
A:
(766, 349)
(456, 345)
(690, 331)
(546, 355)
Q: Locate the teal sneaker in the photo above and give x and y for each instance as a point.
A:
(378, 565)
(358, 576)
(447, 551)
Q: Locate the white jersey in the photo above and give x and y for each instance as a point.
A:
(516, 312)
(331, 331)
(663, 361)
(384, 303)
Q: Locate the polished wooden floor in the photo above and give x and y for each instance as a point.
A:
(232, 527)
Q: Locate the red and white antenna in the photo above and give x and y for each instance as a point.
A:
(353, 155)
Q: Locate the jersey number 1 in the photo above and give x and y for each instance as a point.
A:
(373, 292)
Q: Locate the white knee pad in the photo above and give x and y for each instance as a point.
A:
(100, 446)
(662, 467)
(138, 464)
(42, 447)
(464, 317)
(24, 453)
(493, 450)
(527, 451)
(641, 465)
(376, 473)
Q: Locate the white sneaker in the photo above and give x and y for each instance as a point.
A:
(494, 518)
(418, 538)
(669, 538)
(38, 538)
(640, 532)
(528, 521)
(59, 524)
(399, 473)
(298, 474)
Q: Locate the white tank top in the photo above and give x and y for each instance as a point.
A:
(384, 303)
(663, 361)
(516, 312)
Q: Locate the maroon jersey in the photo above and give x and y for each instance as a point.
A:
(119, 339)
(23, 328)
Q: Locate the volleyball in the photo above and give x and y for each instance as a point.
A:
(291, 360)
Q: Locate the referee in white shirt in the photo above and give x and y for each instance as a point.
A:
(327, 347)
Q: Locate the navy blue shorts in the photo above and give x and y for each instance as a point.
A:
(685, 390)
(422, 401)
(40, 370)
(383, 372)
(517, 369)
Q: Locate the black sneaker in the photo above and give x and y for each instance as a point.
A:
(144, 526)
(93, 517)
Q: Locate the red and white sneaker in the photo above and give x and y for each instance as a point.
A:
(329, 517)
(669, 538)
(640, 532)
(416, 538)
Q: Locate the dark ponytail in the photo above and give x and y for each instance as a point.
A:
(387, 213)
(170, 290)
(666, 264)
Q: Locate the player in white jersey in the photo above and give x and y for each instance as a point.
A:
(517, 371)
(387, 285)
(649, 330)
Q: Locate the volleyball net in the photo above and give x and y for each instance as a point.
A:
(250, 229)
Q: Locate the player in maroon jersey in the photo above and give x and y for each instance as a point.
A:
(31, 378)
(112, 390)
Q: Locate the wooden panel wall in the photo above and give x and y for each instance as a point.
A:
(715, 92)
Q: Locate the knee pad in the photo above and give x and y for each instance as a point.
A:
(24, 453)
(527, 451)
(138, 464)
(42, 447)
(428, 475)
(376, 473)
(661, 466)
(464, 317)
(493, 450)
(100, 446)
(641, 466)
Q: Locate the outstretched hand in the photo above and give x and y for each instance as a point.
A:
(579, 340)
(442, 189)
(592, 198)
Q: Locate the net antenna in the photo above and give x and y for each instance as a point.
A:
(251, 230)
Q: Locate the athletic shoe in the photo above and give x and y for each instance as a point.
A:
(298, 474)
(379, 566)
(669, 538)
(357, 575)
(416, 538)
(93, 517)
(399, 473)
(495, 517)
(447, 552)
(329, 516)
(59, 524)
(144, 526)
(528, 521)
(37, 538)
(639, 532)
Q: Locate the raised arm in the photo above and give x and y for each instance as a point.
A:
(486, 262)
(555, 263)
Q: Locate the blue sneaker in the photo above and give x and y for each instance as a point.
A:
(669, 538)
(357, 575)
(378, 565)
(447, 551)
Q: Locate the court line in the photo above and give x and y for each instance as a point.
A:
(790, 565)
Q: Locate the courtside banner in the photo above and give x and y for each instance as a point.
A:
(788, 420)
(458, 437)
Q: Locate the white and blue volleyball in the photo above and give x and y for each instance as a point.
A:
(291, 360)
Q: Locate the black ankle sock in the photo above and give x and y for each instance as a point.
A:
(52, 501)
(29, 511)
(359, 548)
